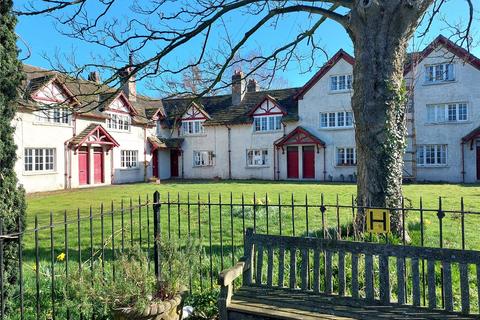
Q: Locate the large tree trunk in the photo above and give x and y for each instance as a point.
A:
(380, 31)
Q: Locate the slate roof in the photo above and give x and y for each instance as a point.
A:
(91, 96)
(165, 143)
(222, 111)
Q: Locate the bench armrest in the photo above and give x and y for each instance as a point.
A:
(227, 276)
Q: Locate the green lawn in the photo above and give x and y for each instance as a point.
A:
(214, 227)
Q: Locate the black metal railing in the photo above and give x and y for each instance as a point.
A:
(94, 238)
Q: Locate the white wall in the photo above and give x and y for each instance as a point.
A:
(463, 89)
(320, 99)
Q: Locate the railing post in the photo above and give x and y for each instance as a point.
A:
(157, 233)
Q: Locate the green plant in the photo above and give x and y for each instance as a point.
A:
(204, 305)
(95, 293)
(12, 201)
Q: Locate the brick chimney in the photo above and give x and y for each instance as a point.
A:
(94, 76)
(130, 85)
(252, 86)
(238, 87)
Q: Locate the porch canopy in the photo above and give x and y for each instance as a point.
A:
(93, 134)
(470, 137)
(163, 143)
(299, 136)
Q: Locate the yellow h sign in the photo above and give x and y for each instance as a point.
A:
(378, 221)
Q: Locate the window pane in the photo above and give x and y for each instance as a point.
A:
(333, 83)
(452, 112)
(462, 112)
(349, 81)
(331, 119)
(323, 120)
(350, 159)
(431, 113)
(341, 119)
(349, 119)
(257, 124)
(278, 123)
(340, 156)
(28, 159)
(341, 83)
(39, 159)
(271, 123)
(264, 124)
(440, 113)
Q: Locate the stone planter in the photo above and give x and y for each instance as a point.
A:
(163, 310)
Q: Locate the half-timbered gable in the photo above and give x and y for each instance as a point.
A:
(193, 119)
(267, 115)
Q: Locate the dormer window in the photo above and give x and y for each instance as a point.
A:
(192, 127)
(54, 116)
(119, 122)
(437, 73)
(267, 123)
(341, 82)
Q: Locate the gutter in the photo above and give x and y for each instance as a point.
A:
(229, 152)
(463, 162)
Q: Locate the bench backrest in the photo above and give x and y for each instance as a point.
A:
(378, 273)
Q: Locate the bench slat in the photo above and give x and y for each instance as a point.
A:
(281, 266)
(328, 272)
(354, 275)
(447, 285)
(384, 279)
(270, 267)
(415, 282)
(304, 271)
(341, 273)
(258, 275)
(464, 289)
(401, 280)
(369, 295)
(432, 296)
(316, 271)
(293, 268)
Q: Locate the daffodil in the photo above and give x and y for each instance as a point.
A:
(61, 257)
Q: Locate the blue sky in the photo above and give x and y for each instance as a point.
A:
(40, 36)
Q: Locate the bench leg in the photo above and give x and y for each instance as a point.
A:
(224, 300)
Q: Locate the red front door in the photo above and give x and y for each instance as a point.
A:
(83, 172)
(292, 162)
(174, 163)
(155, 163)
(98, 165)
(478, 162)
(308, 161)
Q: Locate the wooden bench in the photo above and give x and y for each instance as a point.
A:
(384, 281)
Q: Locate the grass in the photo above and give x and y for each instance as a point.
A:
(214, 225)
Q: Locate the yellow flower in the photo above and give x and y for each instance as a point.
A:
(34, 267)
(61, 257)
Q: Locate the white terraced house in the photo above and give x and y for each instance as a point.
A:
(302, 133)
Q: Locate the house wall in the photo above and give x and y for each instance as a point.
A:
(30, 133)
(463, 89)
(320, 99)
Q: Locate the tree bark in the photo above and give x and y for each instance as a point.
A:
(380, 31)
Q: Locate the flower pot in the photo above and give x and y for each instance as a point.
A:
(162, 310)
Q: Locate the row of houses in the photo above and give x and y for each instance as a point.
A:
(302, 133)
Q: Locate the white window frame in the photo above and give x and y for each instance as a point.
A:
(119, 122)
(421, 156)
(341, 83)
(193, 127)
(129, 159)
(269, 123)
(253, 155)
(54, 116)
(345, 151)
(203, 158)
(440, 113)
(438, 73)
(39, 160)
(330, 120)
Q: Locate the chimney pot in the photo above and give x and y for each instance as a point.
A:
(129, 84)
(238, 87)
(94, 76)
(253, 86)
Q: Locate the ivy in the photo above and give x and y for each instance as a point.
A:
(12, 202)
